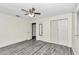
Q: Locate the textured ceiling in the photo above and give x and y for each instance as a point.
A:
(46, 9)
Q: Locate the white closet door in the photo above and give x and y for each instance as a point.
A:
(54, 31)
(63, 32)
(59, 32)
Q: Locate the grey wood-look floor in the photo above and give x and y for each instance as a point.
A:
(32, 47)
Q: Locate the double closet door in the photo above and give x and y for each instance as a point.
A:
(59, 31)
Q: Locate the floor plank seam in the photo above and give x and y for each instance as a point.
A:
(38, 49)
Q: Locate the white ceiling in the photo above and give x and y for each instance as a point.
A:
(46, 9)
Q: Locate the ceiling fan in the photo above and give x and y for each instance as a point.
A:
(31, 12)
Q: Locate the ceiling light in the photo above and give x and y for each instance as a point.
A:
(31, 15)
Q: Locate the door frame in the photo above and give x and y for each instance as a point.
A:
(33, 37)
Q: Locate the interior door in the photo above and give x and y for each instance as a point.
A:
(34, 31)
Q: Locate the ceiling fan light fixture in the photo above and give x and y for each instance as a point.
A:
(31, 15)
(31, 12)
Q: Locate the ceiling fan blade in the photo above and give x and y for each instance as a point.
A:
(33, 9)
(30, 11)
(24, 10)
(37, 13)
(17, 16)
(25, 14)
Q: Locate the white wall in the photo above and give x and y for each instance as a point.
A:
(46, 27)
(75, 40)
(13, 29)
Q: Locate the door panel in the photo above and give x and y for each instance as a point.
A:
(63, 32)
(54, 31)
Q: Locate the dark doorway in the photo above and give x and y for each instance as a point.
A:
(33, 31)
